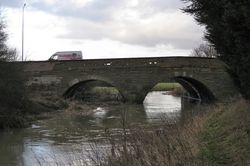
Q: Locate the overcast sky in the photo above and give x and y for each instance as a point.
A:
(101, 28)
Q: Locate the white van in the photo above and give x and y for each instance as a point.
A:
(66, 55)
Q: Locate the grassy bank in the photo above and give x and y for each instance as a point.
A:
(217, 135)
(166, 86)
(31, 110)
(157, 87)
(175, 88)
(209, 135)
(226, 135)
(16, 108)
(99, 94)
(111, 93)
(105, 90)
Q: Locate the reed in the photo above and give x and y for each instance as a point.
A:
(209, 135)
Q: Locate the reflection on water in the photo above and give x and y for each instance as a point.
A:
(61, 139)
(160, 106)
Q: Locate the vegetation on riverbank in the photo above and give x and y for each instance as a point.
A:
(226, 135)
(217, 135)
(16, 109)
(174, 89)
(20, 117)
(167, 87)
(106, 94)
(12, 96)
(103, 94)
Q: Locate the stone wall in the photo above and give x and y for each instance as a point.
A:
(133, 77)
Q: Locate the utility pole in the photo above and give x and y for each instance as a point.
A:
(23, 30)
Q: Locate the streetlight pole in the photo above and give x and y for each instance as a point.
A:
(23, 30)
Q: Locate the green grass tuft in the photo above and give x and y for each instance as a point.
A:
(226, 136)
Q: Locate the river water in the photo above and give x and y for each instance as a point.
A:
(66, 139)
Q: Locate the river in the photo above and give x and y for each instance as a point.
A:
(64, 139)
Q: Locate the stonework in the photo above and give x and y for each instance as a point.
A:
(133, 77)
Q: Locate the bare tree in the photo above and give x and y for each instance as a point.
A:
(205, 50)
(13, 102)
(6, 53)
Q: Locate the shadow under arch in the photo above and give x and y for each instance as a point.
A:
(81, 86)
(196, 90)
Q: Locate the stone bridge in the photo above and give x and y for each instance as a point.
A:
(203, 78)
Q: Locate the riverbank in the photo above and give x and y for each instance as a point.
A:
(31, 110)
(226, 135)
(217, 135)
(122, 134)
(107, 94)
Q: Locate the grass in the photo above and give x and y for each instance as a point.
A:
(210, 135)
(226, 136)
(157, 87)
(22, 117)
(166, 86)
(98, 93)
(161, 146)
(105, 90)
(217, 135)
(174, 89)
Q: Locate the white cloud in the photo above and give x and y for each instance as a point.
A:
(175, 28)
(51, 2)
(133, 3)
(39, 34)
(109, 29)
(80, 3)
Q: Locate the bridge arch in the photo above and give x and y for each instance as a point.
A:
(77, 86)
(196, 89)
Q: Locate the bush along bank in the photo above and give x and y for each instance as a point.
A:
(16, 110)
(20, 117)
(226, 135)
(12, 96)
